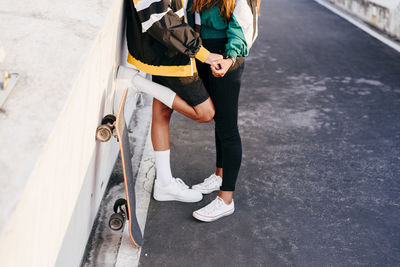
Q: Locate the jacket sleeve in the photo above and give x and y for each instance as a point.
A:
(166, 26)
(236, 45)
(242, 29)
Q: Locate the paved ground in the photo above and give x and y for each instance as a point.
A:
(319, 184)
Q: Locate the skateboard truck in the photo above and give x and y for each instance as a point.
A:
(106, 129)
(120, 215)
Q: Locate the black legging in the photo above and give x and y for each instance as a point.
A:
(224, 93)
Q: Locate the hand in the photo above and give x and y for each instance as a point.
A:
(220, 67)
(213, 57)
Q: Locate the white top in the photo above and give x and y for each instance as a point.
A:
(197, 18)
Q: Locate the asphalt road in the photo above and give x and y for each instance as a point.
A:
(320, 179)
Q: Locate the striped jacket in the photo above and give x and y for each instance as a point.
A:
(160, 42)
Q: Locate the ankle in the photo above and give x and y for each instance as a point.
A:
(228, 202)
(218, 172)
(227, 199)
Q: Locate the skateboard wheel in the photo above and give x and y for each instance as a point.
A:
(105, 130)
(103, 133)
(116, 221)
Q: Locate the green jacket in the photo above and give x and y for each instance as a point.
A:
(241, 29)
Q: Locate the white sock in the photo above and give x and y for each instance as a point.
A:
(163, 168)
(162, 93)
(129, 77)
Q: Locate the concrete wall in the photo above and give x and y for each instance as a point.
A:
(54, 172)
(382, 14)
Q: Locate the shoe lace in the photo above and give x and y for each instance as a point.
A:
(181, 183)
(216, 204)
(210, 180)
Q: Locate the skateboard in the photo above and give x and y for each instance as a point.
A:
(124, 209)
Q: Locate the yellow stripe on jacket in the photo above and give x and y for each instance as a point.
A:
(168, 71)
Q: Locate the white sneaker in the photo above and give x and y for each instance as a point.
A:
(215, 210)
(210, 184)
(176, 190)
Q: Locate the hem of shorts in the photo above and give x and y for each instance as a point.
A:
(198, 102)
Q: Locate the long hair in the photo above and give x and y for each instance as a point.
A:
(226, 7)
(258, 3)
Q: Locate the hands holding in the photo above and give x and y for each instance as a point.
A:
(213, 57)
(219, 66)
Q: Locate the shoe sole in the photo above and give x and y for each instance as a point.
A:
(212, 219)
(206, 192)
(175, 199)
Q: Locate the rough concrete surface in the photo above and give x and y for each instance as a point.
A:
(48, 71)
(319, 184)
(52, 168)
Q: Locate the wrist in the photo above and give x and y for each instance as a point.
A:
(202, 54)
(231, 58)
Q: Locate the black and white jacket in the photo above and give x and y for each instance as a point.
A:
(160, 42)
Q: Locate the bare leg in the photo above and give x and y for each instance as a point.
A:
(227, 196)
(160, 126)
(218, 171)
(165, 185)
(203, 112)
(160, 137)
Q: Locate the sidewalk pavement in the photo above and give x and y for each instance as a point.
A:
(319, 183)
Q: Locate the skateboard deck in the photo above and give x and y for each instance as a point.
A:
(124, 209)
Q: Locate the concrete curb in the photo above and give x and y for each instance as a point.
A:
(128, 255)
(360, 24)
(381, 14)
